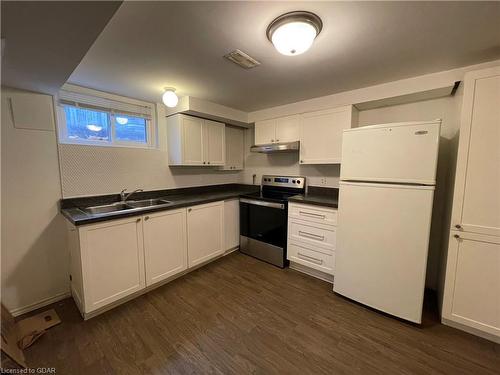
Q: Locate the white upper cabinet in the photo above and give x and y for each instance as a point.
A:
(165, 244)
(214, 145)
(235, 148)
(321, 134)
(477, 199)
(195, 141)
(287, 129)
(279, 130)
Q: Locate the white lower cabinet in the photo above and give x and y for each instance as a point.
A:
(112, 260)
(115, 259)
(232, 223)
(312, 237)
(165, 245)
(205, 228)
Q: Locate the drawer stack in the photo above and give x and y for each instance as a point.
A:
(311, 236)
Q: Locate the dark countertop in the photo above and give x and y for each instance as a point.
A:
(71, 207)
(319, 196)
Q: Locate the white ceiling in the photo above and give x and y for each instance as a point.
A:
(149, 45)
(45, 41)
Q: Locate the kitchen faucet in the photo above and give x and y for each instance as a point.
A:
(124, 196)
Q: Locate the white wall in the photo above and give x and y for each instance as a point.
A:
(34, 256)
(91, 170)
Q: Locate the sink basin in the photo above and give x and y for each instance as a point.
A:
(106, 208)
(148, 203)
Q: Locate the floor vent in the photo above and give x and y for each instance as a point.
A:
(242, 59)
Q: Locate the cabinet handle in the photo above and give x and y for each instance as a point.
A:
(456, 236)
(310, 259)
(189, 209)
(458, 226)
(301, 161)
(204, 162)
(311, 235)
(146, 218)
(272, 140)
(138, 220)
(277, 140)
(312, 215)
(208, 162)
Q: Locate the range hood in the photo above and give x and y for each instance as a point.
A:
(276, 147)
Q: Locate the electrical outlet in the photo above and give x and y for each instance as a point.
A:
(323, 181)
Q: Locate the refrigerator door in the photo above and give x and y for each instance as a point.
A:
(382, 244)
(400, 153)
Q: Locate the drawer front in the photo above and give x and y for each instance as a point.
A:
(321, 261)
(312, 234)
(313, 214)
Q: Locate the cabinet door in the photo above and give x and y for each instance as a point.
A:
(205, 228)
(112, 261)
(472, 288)
(232, 223)
(215, 145)
(287, 128)
(265, 132)
(321, 135)
(192, 140)
(235, 148)
(477, 197)
(165, 245)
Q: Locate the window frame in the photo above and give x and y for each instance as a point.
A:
(151, 127)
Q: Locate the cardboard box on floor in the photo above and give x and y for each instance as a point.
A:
(17, 336)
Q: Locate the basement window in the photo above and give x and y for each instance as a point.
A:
(100, 121)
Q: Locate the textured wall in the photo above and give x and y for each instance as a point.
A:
(91, 170)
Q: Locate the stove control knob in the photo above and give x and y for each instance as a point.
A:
(293, 181)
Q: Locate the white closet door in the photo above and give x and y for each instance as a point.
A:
(481, 188)
(472, 290)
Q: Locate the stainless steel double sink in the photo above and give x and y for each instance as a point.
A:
(126, 206)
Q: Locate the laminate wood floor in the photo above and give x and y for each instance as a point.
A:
(238, 315)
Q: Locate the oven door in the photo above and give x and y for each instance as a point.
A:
(263, 221)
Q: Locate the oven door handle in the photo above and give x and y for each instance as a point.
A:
(280, 206)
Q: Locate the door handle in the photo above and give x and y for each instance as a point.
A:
(310, 259)
(311, 235)
(311, 214)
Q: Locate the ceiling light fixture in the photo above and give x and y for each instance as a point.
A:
(170, 98)
(121, 120)
(293, 33)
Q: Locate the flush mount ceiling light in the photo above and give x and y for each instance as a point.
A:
(293, 33)
(121, 120)
(170, 98)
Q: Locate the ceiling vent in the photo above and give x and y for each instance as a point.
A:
(242, 59)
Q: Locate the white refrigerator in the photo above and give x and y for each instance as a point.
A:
(388, 174)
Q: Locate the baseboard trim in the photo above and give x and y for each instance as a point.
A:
(312, 272)
(471, 330)
(37, 305)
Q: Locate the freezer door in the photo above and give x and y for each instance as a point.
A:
(382, 244)
(404, 152)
